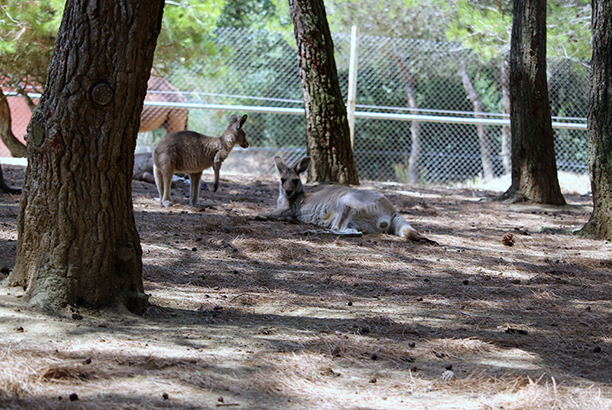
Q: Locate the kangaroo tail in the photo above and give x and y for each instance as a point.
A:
(417, 237)
(404, 230)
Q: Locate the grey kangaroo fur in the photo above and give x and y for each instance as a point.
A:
(191, 153)
(342, 210)
(143, 167)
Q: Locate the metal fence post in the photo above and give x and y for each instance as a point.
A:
(352, 83)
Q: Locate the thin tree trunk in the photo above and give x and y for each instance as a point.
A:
(77, 238)
(415, 126)
(16, 147)
(600, 123)
(327, 128)
(483, 139)
(534, 169)
(415, 132)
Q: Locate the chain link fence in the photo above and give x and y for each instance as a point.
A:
(256, 72)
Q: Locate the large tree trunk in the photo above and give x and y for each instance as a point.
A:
(483, 138)
(16, 147)
(534, 169)
(327, 128)
(600, 123)
(77, 238)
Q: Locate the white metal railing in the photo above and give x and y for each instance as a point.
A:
(358, 114)
(362, 114)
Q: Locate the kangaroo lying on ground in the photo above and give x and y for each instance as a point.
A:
(343, 210)
(191, 153)
(143, 167)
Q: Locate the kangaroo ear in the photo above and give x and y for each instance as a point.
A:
(242, 120)
(280, 165)
(233, 119)
(302, 165)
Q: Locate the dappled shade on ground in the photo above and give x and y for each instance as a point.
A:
(268, 315)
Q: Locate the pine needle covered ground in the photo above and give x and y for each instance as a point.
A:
(511, 311)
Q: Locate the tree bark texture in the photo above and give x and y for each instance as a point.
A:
(534, 169)
(600, 123)
(483, 138)
(16, 147)
(77, 238)
(327, 129)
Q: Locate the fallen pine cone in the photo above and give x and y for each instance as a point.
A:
(508, 239)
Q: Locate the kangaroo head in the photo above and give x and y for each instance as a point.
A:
(234, 130)
(291, 184)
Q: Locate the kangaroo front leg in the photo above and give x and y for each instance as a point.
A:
(216, 168)
(194, 181)
(280, 214)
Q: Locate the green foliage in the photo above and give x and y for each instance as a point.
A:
(28, 30)
(410, 19)
(569, 29)
(484, 27)
(272, 15)
(27, 34)
(184, 37)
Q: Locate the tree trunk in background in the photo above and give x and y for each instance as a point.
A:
(415, 126)
(600, 123)
(483, 139)
(16, 147)
(327, 129)
(77, 238)
(534, 169)
(415, 137)
(506, 137)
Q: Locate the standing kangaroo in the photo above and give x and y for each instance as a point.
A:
(343, 210)
(191, 153)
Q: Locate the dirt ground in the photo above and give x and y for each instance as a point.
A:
(510, 311)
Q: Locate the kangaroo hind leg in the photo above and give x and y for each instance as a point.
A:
(194, 182)
(342, 222)
(163, 184)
